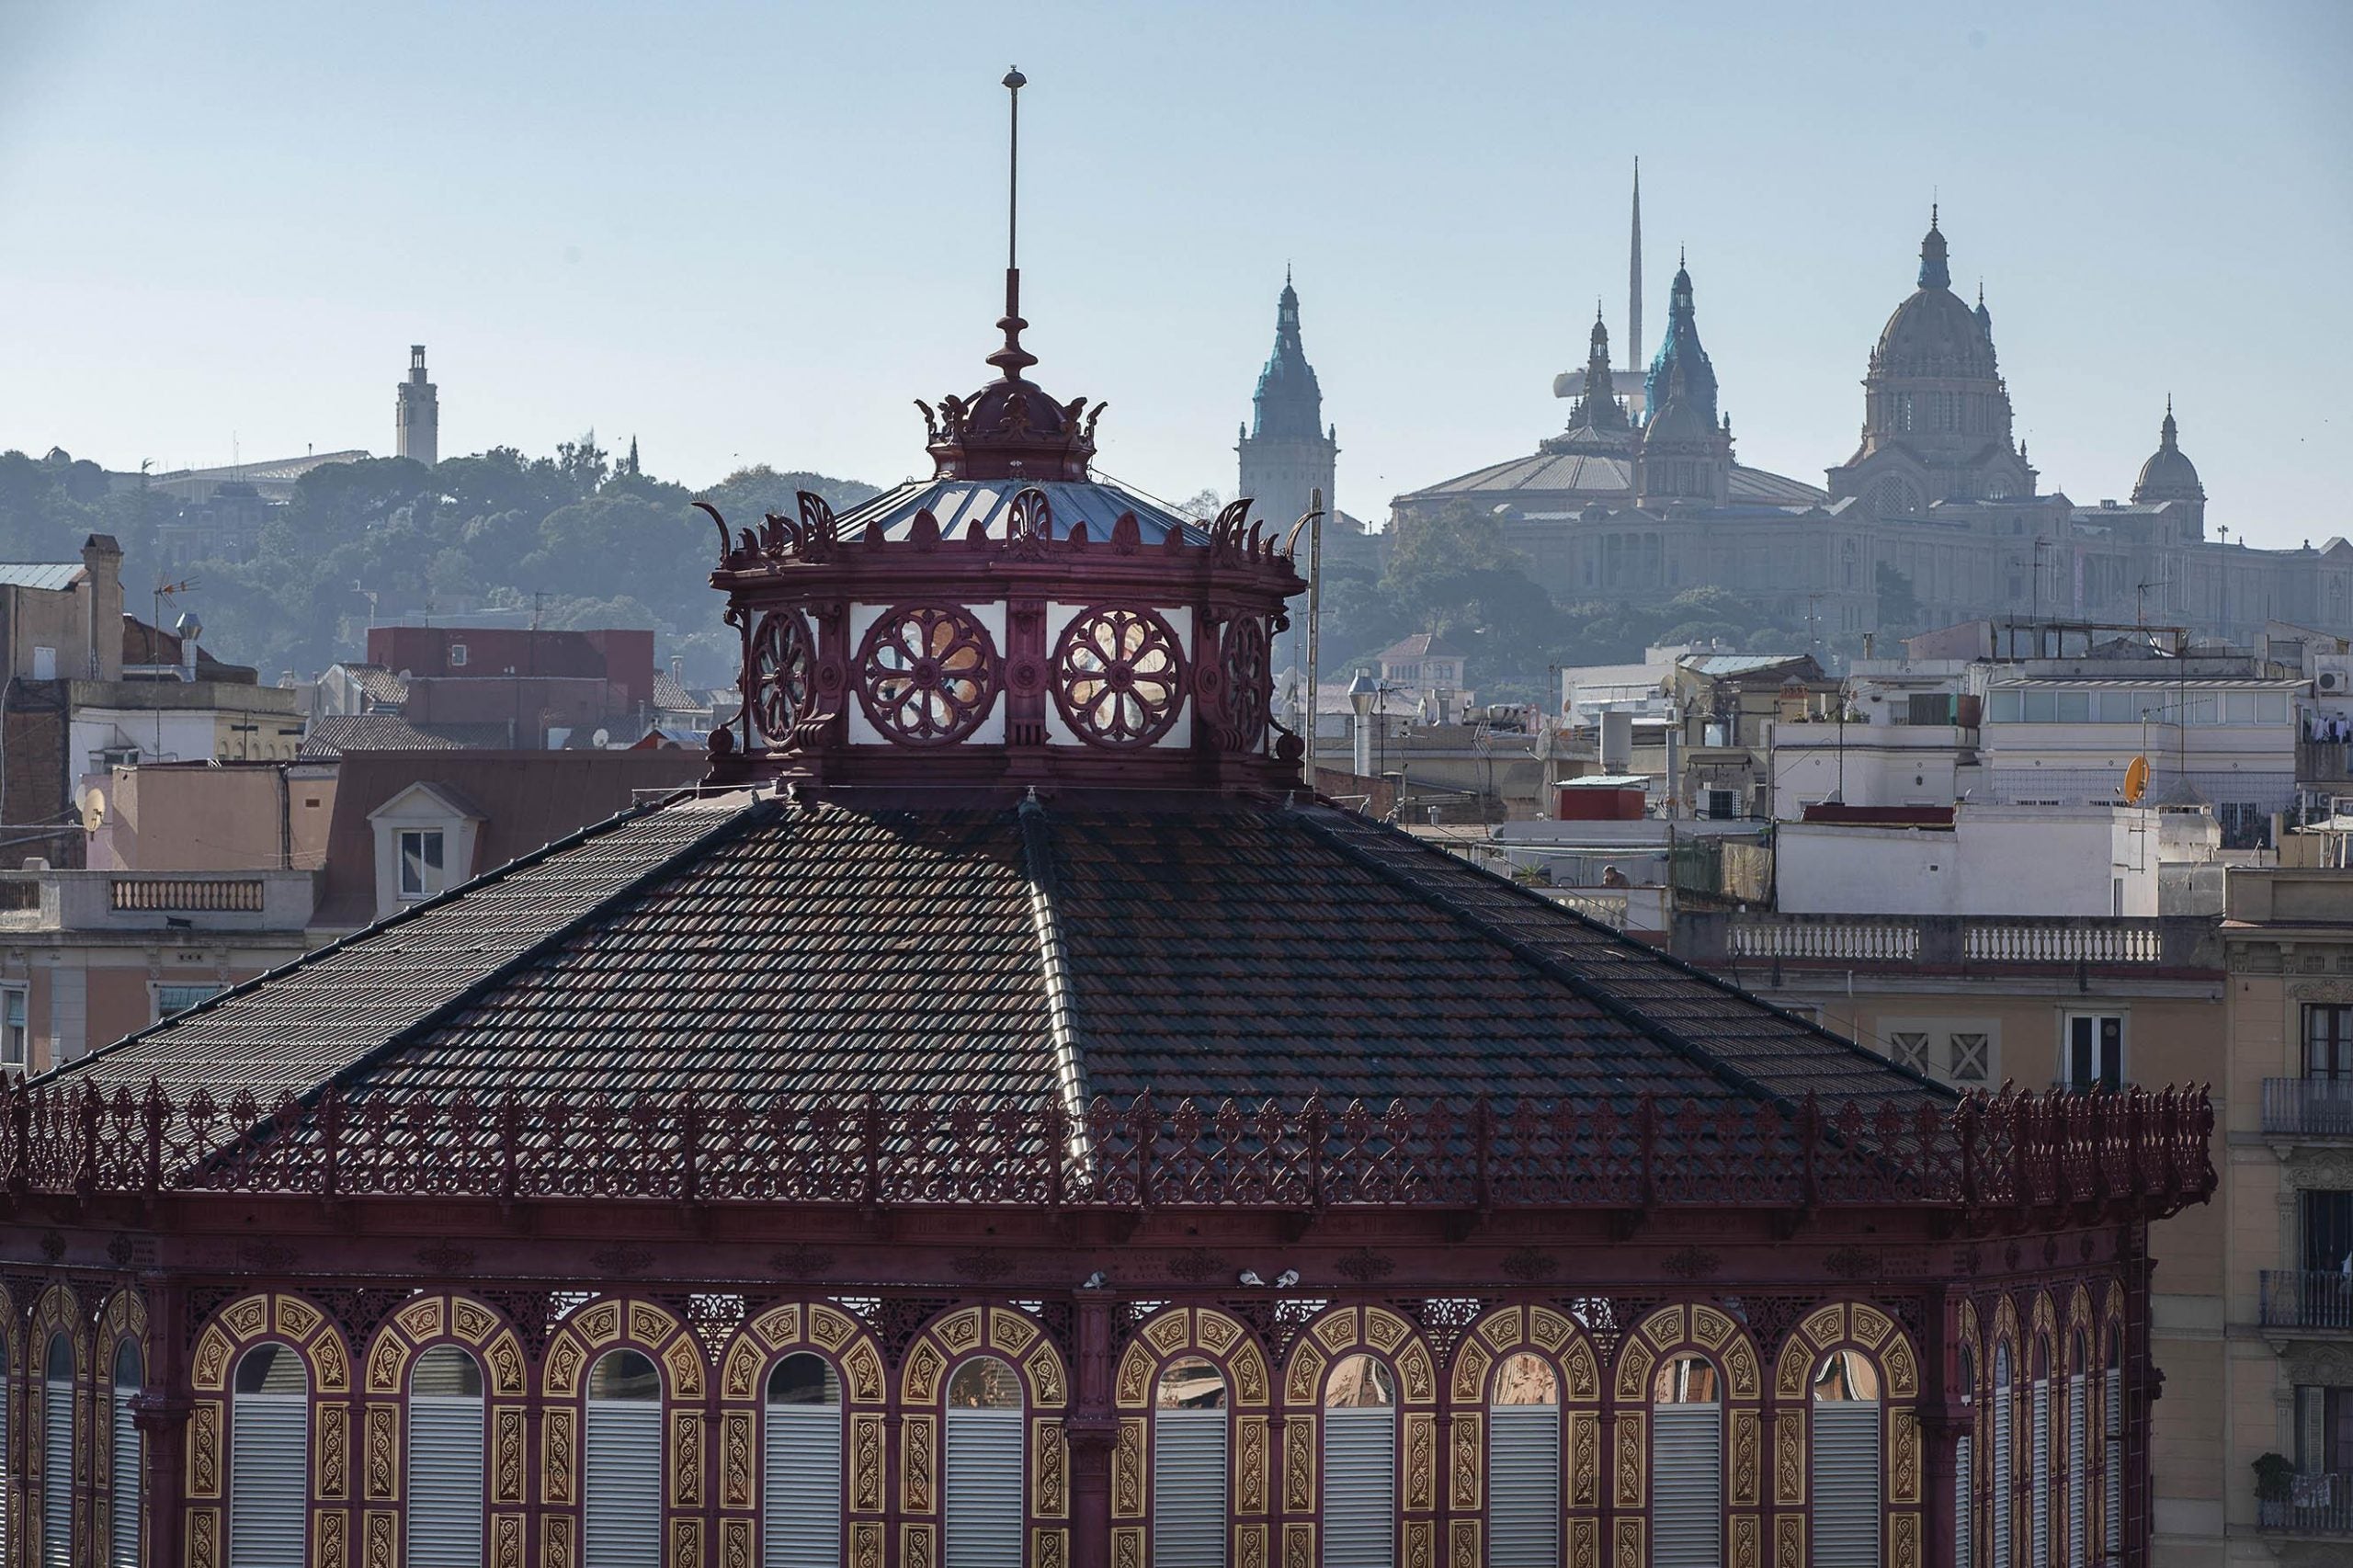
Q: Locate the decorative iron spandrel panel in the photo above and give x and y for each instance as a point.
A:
(1632, 1468)
(1468, 1470)
(379, 1537)
(1126, 1545)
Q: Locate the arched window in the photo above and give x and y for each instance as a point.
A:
(800, 1488)
(1524, 1464)
(2006, 1469)
(2078, 1442)
(620, 1500)
(130, 1492)
(1188, 1427)
(1361, 1464)
(1845, 1462)
(1964, 1496)
(57, 1454)
(982, 1491)
(2112, 1456)
(1687, 1465)
(2038, 1455)
(444, 1461)
(269, 1460)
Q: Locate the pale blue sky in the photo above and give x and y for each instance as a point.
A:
(753, 231)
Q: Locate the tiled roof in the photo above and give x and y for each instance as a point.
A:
(378, 683)
(672, 697)
(1422, 645)
(52, 576)
(336, 734)
(739, 945)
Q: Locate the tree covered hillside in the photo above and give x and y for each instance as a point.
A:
(576, 538)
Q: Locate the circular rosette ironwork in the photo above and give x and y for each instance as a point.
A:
(1249, 684)
(1119, 677)
(784, 674)
(928, 675)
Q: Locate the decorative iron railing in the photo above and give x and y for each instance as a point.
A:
(2316, 1505)
(2309, 1108)
(2294, 1297)
(2018, 1151)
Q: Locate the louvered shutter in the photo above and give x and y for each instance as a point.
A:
(269, 1479)
(6, 1542)
(2038, 1456)
(57, 1474)
(1686, 1486)
(1524, 1487)
(1188, 1510)
(1965, 1509)
(620, 1503)
(2005, 1471)
(2078, 1439)
(1845, 1484)
(800, 1491)
(130, 1483)
(444, 1497)
(2113, 1532)
(1359, 1487)
(983, 1490)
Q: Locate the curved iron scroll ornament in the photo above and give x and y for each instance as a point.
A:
(1249, 683)
(928, 675)
(1119, 677)
(783, 675)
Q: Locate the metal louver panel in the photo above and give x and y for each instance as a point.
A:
(57, 1475)
(269, 1479)
(445, 1496)
(982, 1491)
(5, 1540)
(1359, 1487)
(1686, 1486)
(620, 1500)
(2038, 1456)
(1846, 1485)
(1964, 1512)
(2078, 1526)
(1524, 1485)
(1189, 1509)
(2113, 1536)
(800, 1488)
(130, 1483)
(2005, 1475)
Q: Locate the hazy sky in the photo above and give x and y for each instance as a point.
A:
(752, 233)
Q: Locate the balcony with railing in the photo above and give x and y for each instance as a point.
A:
(2308, 1108)
(73, 900)
(2318, 1299)
(1952, 943)
(2316, 1505)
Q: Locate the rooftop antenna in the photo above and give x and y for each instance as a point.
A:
(1012, 360)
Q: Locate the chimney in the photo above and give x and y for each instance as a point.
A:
(102, 559)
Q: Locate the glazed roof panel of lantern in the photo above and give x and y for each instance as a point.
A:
(957, 504)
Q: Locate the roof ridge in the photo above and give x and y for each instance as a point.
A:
(619, 820)
(1062, 996)
(1564, 971)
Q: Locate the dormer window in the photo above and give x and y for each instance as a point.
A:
(457, 656)
(421, 861)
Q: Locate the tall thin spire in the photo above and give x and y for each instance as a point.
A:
(1013, 358)
(1635, 277)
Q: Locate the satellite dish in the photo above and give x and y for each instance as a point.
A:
(601, 739)
(94, 811)
(2136, 781)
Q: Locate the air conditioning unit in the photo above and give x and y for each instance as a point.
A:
(2333, 675)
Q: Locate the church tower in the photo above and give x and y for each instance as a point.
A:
(417, 415)
(1287, 451)
(1684, 453)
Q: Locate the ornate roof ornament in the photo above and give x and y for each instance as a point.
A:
(1681, 356)
(2168, 475)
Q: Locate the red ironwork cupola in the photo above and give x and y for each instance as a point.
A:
(1011, 620)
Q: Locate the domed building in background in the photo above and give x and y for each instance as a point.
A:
(1002, 1118)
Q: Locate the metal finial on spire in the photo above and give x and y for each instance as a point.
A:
(1013, 358)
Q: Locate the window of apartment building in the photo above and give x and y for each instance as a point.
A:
(44, 664)
(2095, 1051)
(13, 1035)
(457, 656)
(170, 999)
(2328, 1042)
(1967, 1058)
(2328, 1230)
(420, 852)
(1908, 1048)
(2324, 1431)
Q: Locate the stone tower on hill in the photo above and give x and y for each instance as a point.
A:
(417, 416)
(1288, 453)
